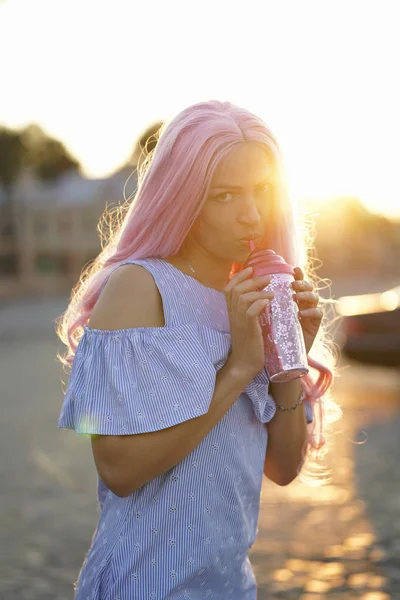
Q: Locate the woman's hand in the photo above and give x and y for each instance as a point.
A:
(309, 315)
(246, 299)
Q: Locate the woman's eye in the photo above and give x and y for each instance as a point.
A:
(222, 197)
(228, 196)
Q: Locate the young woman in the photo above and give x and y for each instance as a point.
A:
(168, 372)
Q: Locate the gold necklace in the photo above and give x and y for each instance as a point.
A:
(194, 272)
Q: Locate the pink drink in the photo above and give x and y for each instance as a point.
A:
(285, 352)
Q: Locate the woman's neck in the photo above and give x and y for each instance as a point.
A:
(206, 269)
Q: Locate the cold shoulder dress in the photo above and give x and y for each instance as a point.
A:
(186, 534)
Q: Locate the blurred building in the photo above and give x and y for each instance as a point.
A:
(55, 230)
(56, 233)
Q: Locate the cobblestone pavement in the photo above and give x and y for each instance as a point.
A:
(340, 541)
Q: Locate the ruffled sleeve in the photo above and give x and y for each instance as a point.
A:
(264, 406)
(142, 379)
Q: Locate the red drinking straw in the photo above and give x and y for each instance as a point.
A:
(252, 246)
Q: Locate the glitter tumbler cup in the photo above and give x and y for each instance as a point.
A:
(285, 352)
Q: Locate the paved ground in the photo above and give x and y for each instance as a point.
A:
(341, 541)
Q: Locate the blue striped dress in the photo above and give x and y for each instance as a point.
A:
(187, 533)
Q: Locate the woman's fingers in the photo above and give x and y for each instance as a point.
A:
(306, 298)
(250, 285)
(241, 285)
(244, 282)
(245, 301)
(256, 295)
(302, 286)
(256, 308)
(315, 313)
(237, 278)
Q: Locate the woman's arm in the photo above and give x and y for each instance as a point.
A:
(287, 432)
(127, 462)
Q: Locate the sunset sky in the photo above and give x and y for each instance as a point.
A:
(323, 75)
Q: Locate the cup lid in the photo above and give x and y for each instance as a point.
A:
(266, 262)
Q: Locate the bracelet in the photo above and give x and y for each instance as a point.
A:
(294, 405)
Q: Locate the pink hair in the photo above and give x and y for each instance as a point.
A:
(173, 185)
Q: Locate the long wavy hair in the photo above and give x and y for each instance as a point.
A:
(173, 185)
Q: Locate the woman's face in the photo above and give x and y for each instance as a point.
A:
(238, 204)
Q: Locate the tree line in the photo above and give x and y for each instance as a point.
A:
(46, 159)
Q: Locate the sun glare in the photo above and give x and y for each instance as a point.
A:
(338, 133)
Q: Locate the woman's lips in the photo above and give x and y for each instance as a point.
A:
(251, 243)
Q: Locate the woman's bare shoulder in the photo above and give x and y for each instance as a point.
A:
(129, 299)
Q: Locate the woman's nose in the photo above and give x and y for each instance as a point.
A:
(250, 214)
